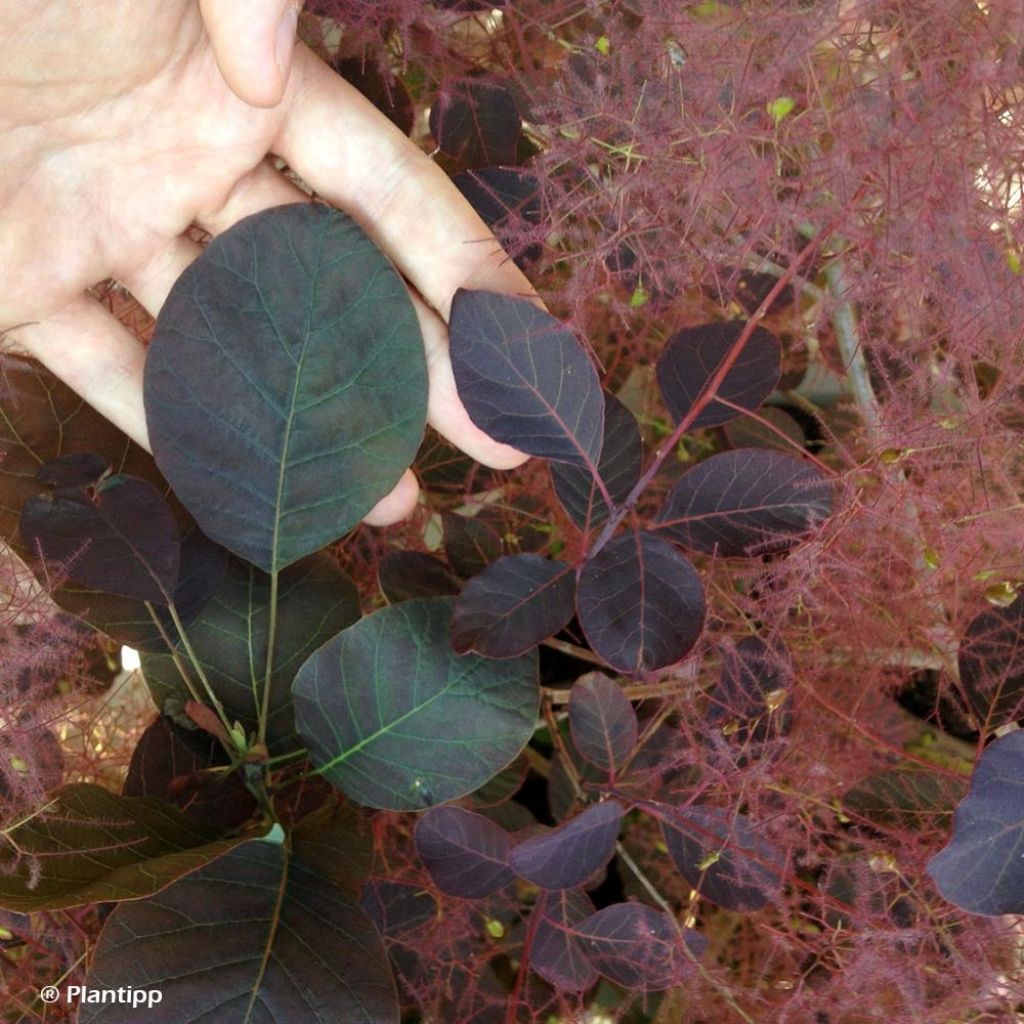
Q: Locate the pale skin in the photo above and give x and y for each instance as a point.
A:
(123, 123)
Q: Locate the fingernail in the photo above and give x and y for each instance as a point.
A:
(286, 39)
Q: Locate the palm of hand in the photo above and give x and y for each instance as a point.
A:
(116, 144)
(138, 153)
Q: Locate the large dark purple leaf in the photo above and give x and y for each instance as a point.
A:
(746, 502)
(640, 603)
(89, 845)
(525, 379)
(556, 954)
(285, 387)
(254, 936)
(470, 542)
(397, 720)
(336, 842)
(692, 357)
(118, 536)
(402, 575)
(575, 851)
(751, 700)
(513, 605)
(981, 870)
(476, 122)
(723, 856)
(619, 468)
(991, 660)
(315, 599)
(602, 721)
(638, 947)
(465, 853)
(170, 762)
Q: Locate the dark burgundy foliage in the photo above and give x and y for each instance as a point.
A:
(908, 797)
(639, 947)
(692, 359)
(602, 721)
(513, 605)
(619, 469)
(723, 856)
(302, 942)
(752, 700)
(991, 661)
(982, 870)
(403, 575)
(524, 378)
(170, 762)
(476, 122)
(396, 908)
(83, 469)
(397, 720)
(572, 853)
(466, 854)
(556, 954)
(746, 502)
(229, 637)
(602, 706)
(508, 201)
(640, 603)
(470, 542)
(256, 465)
(118, 536)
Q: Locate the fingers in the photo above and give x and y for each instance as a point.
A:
(151, 281)
(253, 41)
(445, 411)
(339, 143)
(96, 356)
(398, 505)
(262, 188)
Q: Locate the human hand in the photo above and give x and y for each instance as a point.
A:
(120, 130)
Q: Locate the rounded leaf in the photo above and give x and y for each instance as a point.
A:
(602, 721)
(619, 468)
(640, 603)
(255, 928)
(981, 870)
(556, 954)
(513, 605)
(639, 947)
(398, 720)
(723, 856)
(575, 851)
(119, 536)
(285, 387)
(315, 599)
(692, 357)
(465, 853)
(524, 379)
(477, 122)
(746, 502)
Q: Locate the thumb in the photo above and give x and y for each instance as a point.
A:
(253, 41)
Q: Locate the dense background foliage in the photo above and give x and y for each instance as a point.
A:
(665, 164)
